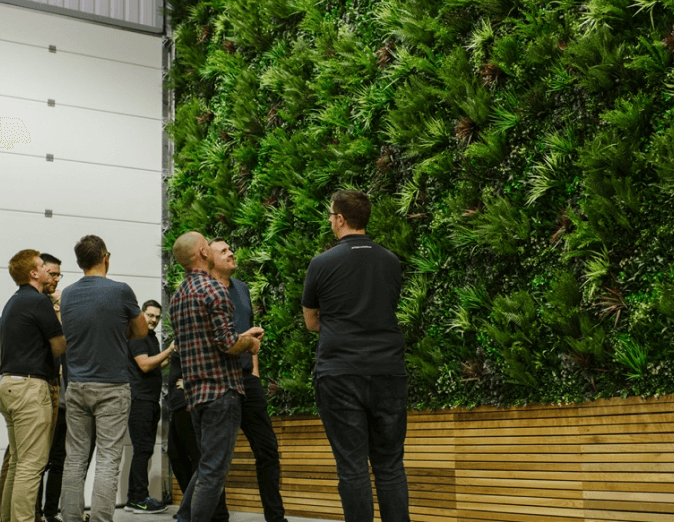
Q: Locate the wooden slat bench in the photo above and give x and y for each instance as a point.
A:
(609, 460)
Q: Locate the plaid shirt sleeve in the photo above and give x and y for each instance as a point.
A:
(221, 312)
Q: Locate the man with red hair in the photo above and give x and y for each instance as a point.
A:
(30, 338)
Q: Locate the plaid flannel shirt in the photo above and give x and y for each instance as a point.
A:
(202, 318)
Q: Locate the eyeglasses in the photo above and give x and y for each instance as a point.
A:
(54, 275)
(108, 254)
(153, 316)
(333, 213)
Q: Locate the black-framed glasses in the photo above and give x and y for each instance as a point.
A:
(333, 213)
(54, 275)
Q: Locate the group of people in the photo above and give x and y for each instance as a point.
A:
(113, 364)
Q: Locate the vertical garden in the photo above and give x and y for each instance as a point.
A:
(520, 160)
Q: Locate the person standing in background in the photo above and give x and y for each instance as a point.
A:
(145, 363)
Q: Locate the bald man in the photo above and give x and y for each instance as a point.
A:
(203, 321)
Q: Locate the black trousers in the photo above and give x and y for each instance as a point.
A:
(54, 468)
(183, 452)
(143, 420)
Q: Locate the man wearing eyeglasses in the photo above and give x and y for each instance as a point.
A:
(145, 363)
(99, 315)
(350, 297)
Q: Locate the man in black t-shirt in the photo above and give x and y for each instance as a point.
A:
(145, 363)
(350, 297)
(30, 338)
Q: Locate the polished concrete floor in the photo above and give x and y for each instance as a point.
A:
(125, 516)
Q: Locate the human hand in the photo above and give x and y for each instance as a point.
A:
(255, 348)
(255, 331)
(179, 384)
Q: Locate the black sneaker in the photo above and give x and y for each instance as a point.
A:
(130, 506)
(55, 518)
(149, 505)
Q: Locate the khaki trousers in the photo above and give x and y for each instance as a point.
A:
(26, 404)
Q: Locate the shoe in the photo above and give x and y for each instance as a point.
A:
(86, 517)
(130, 506)
(149, 505)
(55, 518)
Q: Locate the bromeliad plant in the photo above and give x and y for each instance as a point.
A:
(520, 159)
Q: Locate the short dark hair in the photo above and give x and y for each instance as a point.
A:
(21, 265)
(90, 251)
(354, 206)
(148, 304)
(48, 258)
(216, 240)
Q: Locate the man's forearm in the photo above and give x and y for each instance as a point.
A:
(243, 344)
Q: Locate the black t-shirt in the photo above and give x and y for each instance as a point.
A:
(356, 286)
(145, 386)
(176, 396)
(28, 322)
(243, 316)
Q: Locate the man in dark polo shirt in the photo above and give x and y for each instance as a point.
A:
(145, 363)
(350, 297)
(30, 338)
(255, 421)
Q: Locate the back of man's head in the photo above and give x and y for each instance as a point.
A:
(186, 249)
(354, 206)
(21, 265)
(90, 251)
(48, 258)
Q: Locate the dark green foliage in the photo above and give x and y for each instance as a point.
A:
(519, 156)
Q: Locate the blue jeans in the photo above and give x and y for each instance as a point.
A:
(216, 426)
(105, 408)
(365, 416)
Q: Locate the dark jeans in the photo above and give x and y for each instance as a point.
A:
(257, 428)
(182, 450)
(216, 426)
(143, 420)
(366, 416)
(54, 469)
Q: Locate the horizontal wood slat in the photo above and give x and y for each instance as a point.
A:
(609, 460)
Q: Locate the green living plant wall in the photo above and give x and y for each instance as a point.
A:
(520, 160)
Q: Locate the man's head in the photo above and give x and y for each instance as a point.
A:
(26, 268)
(53, 266)
(152, 311)
(349, 212)
(191, 250)
(224, 262)
(91, 252)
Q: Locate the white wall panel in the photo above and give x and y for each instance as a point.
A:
(81, 135)
(35, 73)
(135, 248)
(70, 35)
(69, 188)
(105, 132)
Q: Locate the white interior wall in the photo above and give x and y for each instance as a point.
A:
(104, 131)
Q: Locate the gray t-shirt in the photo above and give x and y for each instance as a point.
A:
(96, 312)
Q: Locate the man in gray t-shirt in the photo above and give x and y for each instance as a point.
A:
(98, 315)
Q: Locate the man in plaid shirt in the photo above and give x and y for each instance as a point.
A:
(202, 318)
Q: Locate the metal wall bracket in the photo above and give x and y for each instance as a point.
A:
(50, 157)
(52, 48)
(48, 213)
(51, 103)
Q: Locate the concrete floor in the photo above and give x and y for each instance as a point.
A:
(234, 516)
